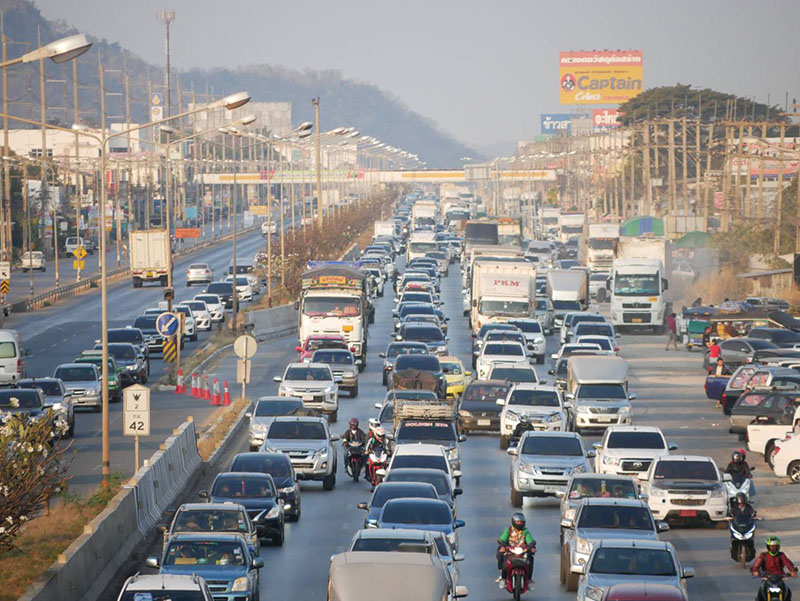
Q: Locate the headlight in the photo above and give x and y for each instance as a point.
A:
(283, 391)
(526, 467)
(512, 415)
(240, 584)
(610, 460)
(451, 536)
(259, 428)
(583, 546)
(287, 490)
(657, 492)
(329, 390)
(131, 367)
(554, 417)
(569, 513)
(464, 413)
(579, 469)
(323, 453)
(452, 454)
(624, 410)
(538, 340)
(594, 593)
(717, 493)
(582, 409)
(273, 513)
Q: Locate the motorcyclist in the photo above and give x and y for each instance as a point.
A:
(742, 507)
(374, 423)
(353, 433)
(523, 425)
(773, 561)
(738, 467)
(515, 535)
(373, 444)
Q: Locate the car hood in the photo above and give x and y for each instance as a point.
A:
(638, 453)
(594, 534)
(297, 445)
(610, 403)
(534, 410)
(446, 528)
(307, 384)
(82, 384)
(605, 581)
(686, 484)
(481, 406)
(553, 461)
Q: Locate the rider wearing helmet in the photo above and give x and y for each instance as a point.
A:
(377, 438)
(742, 507)
(354, 433)
(515, 535)
(773, 560)
(374, 423)
(522, 426)
(738, 466)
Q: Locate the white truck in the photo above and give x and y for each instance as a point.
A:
(333, 301)
(420, 243)
(569, 285)
(424, 213)
(509, 231)
(570, 224)
(638, 282)
(384, 228)
(601, 246)
(763, 435)
(149, 250)
(501, 290)
(549, 220)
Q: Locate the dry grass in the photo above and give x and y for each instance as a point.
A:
(44, 538)
(211, 439)
(713, 290)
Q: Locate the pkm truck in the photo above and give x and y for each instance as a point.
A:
(149, 256)
(501, 290)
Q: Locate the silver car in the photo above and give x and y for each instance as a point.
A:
(545, 314)
(543, 463)
(264, 411)
(309, 444)
(83, 382)
(199, 273)
(314, 383)
(616, 561)
(343, 364)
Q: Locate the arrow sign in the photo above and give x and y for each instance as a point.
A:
(167, 324)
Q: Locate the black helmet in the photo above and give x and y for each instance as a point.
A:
(741, 498)
(736, 457)
(518, 521)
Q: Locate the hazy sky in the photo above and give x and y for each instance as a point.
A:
(483, 70)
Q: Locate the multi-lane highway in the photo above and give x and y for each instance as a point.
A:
(669, 388)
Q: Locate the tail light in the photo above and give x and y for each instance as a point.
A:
(776, 451)
(724, 398)
(19, 365)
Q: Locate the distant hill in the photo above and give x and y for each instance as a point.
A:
(344, 101)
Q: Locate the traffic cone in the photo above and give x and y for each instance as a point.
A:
(226, 397)
(215, 397)
(194, 391)
(179, 387)
(206, 390)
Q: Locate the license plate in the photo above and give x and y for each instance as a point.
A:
(636, 320)
(604, 420)
(308, 397)
(687, 513)
(484, 422)
(551, 489)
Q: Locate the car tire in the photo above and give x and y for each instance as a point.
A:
(278, 540)
(194, 337)
(571, 583)
(333, 417)
(503, 442)
(97, 409)
(354, 391)
(540, 359)
(769, 456)
(384, 381)
(71, 430)
(793, 471)
(562, 572)
(516, 498)
(329, 481)
(363, 365)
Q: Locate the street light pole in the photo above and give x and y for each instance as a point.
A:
(315, 102)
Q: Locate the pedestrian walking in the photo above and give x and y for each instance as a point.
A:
(672, 332)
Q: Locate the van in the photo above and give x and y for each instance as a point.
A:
(597, 387)
(74, 242)
(13, 365)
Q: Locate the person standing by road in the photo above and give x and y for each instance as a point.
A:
(672, 332)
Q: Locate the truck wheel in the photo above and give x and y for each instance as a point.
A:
(363, 365)
(137, 283)
(383, 379)
(516, 498)
(163, 280)
(769, 455)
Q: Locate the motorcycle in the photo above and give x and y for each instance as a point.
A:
(355, 459)
(517, 565)
(736, 485)
(774, 588)
(742, 528)
(377, 461)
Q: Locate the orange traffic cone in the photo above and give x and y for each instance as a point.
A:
(180, 388)
(215, 397)
(206, 390)
(226, 397)
(194, 392)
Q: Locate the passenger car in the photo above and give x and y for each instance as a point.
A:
(200, 313)
(309, 444)
(589, 486)
(455, 374)
(29, 405)
(223, 290)
(223, 560)
(177, 587)
(760, 403)
(133, 366)
(279, 466)
(112, 371)
(393, 490)
(314, 383)
(407, 368)
(426, 456)
(629, 450)
(56, 396)
(441, 481)
(543, 463)
(343, 364)
(431, 335)
(32, 261)
(478, 409)
(215, 306)
(147, 325)
(421, 514)
(543, 405)
(498, 351)
(265, 409)
(199, 273)
(320, 341)
(399, 348)
(83, 382)
(534, 337)
(192, 518)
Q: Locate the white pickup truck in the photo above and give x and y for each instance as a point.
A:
(762, 435)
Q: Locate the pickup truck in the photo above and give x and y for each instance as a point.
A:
(763, 434)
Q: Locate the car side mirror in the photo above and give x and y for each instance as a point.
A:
(576, 569)
(377, 405)
(152, 562)
(203, 494)
(673, 447)
(457, 491)
(461, 591)
(551, 372)
(276, 379)
(642, 495)
(298, 348)
(359, 362)
(363, 506)
(567, 523)
(554, 356)
(382, 355)
(513, 451)
(501, 401)
(257, 563)
(570, 396)
(560, 494)
(248, 414)
(462, 438)
(335, 437)
(727, 478)
(161, 528)
(591, 453)
(632, 397)
(662, 526)
(398, 337)
(597, 445)
(687, 572)
(459, 523)
(260, 530)
(296, 305)
(458, 557)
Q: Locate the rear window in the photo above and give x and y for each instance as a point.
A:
(273, 408)
(315, 374)
(635, 440)
(422, 431)
(435, 462)
(513, 374)
(75, 374)
(420, 362)
(429, 514)
(438, 478)
(385, 493)
(49, 387)
(20, 399)
(263, 463)
(503, 349)
(127, 335)
(8, 350)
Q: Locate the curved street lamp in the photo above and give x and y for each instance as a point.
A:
(59, 51)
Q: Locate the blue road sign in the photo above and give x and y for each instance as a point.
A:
(167, 324)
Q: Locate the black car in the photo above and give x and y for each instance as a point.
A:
(761, 405)
(394, 490)
(224, 290)
(135, 369)
(399, 348)
(778, 336)
(440, 480)
(257, 493)
(430, 335)
(27, 403)
(478, 409)
(413, 364)
(279, 466)
(131, 335)
(147, 325)
(411, 308)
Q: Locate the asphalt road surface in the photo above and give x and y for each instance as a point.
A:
(669, 388)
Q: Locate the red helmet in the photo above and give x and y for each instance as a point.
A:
(353, 423)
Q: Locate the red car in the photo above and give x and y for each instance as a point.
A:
(642, 591)
(320, 341)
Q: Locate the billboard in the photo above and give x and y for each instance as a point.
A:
(553, 123)
(599, 77)
(605, 119)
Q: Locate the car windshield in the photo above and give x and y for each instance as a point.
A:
(273, 408)
(296, 430)
(635, 440)
(614, 516)
(417, 297)
(529, 327)
(452, 368)
(504, 307)
(315, 374)
(416, 309)
(541, 305)
(420, 362)
(593, 487)
(162, 595)
(436, 462)
(221, 288)
(564, 305)
(534, 398)
(336, 306)
(513, 374)
(125, 335)
(206, 552)
(122, 351)
(409, 512)
(636, 284)
(759, 344)
(503, 336)
(49, 387)
(263, 463)
(741, 376)
(210, 520)
(685, 470)
(496, 348)
(75, 374)
(146, 322)
(484, 392)
(20, 399)
(383, 494)
(241, 486)
(632, 561)
(601, 391)
(208, 299)
(423, 334)
(426, 432)
(333, 357)
(552, 445)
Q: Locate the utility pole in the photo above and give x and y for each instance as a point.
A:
(43, 195)
(4, 243)
(779, 198)
(167, 16)
(103, 181)
(76, 119)
(315, 102)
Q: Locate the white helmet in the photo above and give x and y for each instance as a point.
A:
(374, 422)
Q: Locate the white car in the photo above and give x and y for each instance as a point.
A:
(314, 384)
(189, 322)
(568, 349)
(214, 305)
(269, 227)
(629, 450)
(605, 343)
(427, 456)
(786, 458)
(243, 288)
(32, 260)
(200, 312)
(534, 337)
(544, 406)
(199, 273)
(498, 351)
(686, 487)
